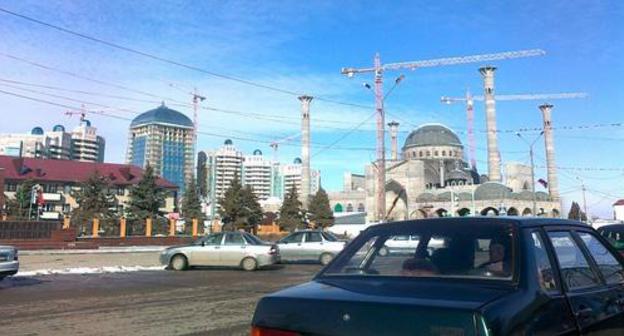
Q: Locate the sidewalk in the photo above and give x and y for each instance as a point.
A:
(100, 250)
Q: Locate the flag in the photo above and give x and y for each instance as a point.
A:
(543, 183)
(40, 199)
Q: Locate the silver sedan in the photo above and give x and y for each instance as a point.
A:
(237, 249)
(312, 245)
(9, 264)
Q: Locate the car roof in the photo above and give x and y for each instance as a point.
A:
(521, 222)
(611, 227)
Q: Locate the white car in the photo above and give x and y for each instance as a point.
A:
(312, 245)
(406, 244)
(9, 264)
(237, 249)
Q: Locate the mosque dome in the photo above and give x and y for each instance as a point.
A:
(432, 135)
(297, 161)
(37, 131)
(228, 142)
(257, 152)
(58, 128)
(162, 115)
(492, 190)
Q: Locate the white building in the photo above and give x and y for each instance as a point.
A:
(618, 210)
(258, 173)
(222, 165)
(55, 144)
(290, 175)
(86, 145)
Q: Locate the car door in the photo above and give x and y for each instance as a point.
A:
(312, 245)
(290, 246)
(206, 252)
(233, 249)
(587, 295)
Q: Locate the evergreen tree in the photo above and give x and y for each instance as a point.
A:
(252, 211)
(146, 197)
(19, 206)
(231, 206)
(94, 200)
(575, 213)
(290, 214)
(320, 211)
(191, 204)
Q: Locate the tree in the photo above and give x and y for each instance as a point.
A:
(230, 205)
(191, 204)
(320, 211)
(94, 200)
(290, 214)
(146, 197)
(251, 210)
(19, 206)
(575, 213)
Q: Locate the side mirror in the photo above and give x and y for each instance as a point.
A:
(203, 243)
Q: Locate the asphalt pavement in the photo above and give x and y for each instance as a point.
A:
(194, 302)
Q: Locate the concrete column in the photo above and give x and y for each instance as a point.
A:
(95, 227)
(551, 167)
(441, 173)
(148, 227)
(66, 222)
(494, 165)
(122, 227)
(195, 222)
(172, 227)
(305, 150)
(394, 130)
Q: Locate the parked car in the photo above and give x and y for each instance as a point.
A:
(311, 245)
(9, 263)
(238, 249)
(406, 244)
(615, 235)
(492, 276)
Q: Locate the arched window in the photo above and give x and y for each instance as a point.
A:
(361, 207)
(338, 207)
(349, 207)
(428, 153)
(435, 153)
(443, 153)
(420, 154)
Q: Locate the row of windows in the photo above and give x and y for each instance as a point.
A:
(58, 188)
(339, 208)
(420, 154)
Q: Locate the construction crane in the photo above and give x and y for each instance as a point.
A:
(275, 144)
(469, 101)
(83, 111)
(378, 69)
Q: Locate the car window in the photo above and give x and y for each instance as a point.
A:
(329, 236)
(313, 237)
(293, 238)
(484, 250)
(574, 267)
(545, 275)
(234, 239)
(614, 235)
(607, 264)
(213, 239)
(251, 239)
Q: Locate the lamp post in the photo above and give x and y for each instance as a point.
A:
(532, 166)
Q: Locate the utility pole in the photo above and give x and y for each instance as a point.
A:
(531, 144)
(378, 69)
(584, 199)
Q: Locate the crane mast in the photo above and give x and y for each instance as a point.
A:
(378, 69)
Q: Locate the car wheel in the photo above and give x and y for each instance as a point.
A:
(178, 263)
(249, 264)
(1, 277)
(383, 251)
(326, 258)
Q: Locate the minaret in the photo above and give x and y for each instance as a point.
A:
(394, 129)
(494, 166)
(304, 193)
(551, 167)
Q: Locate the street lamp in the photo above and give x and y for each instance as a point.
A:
(532, 167)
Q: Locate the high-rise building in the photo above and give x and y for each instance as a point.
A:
(258, 173)
(222, 165)
(86, 145)
(291, 174)
(55, 144)
(163, 139)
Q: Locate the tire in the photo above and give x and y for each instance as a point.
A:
(326, 258)
(383, 251)
(178, 263)
(1, 277)
(249, 264)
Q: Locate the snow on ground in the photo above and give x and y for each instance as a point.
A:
(91, 270)
(102, 249)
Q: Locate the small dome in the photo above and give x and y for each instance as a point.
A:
(228, 142)
(297, 161)
(492, 190)
(37, 131)
(162, 115)
(58, 128)
(432, 135)
(542, 196)
(87, 122)
(464, 196)
(457, 175)
(257, 152)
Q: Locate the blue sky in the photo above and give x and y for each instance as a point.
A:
(301, 46)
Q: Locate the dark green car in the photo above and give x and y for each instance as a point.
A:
(614, 234)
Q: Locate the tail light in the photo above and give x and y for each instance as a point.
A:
(260, 331)
(15, 256)
(273, 250)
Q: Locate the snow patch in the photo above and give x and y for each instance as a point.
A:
(91, 270)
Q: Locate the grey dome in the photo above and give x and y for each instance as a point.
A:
(492, 190)
(425, 197)
(162, 115)
(443, 197)
(297, 161)
(457, 175)
(432, 135)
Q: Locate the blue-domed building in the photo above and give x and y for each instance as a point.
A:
(163, 138)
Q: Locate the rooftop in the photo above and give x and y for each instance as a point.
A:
(432, 135)
(162, 115)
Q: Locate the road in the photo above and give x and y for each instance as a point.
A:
(195, 302)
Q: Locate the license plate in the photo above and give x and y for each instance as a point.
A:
(3, 258)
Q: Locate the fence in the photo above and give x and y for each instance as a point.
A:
(27, 229)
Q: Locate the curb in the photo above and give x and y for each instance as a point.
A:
(101, 250)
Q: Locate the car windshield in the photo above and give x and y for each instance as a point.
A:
(475, 250)
(253, 240)
(329, 236)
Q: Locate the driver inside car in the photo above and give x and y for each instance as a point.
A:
(417, 266)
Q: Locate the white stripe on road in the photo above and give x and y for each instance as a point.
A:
(91, 270)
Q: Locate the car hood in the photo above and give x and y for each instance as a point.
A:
(374, 307)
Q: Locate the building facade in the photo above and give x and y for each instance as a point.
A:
(258, 174)
(291, 175)
(58, 178)
(163, 139)
(433, 179)
(86, 145)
